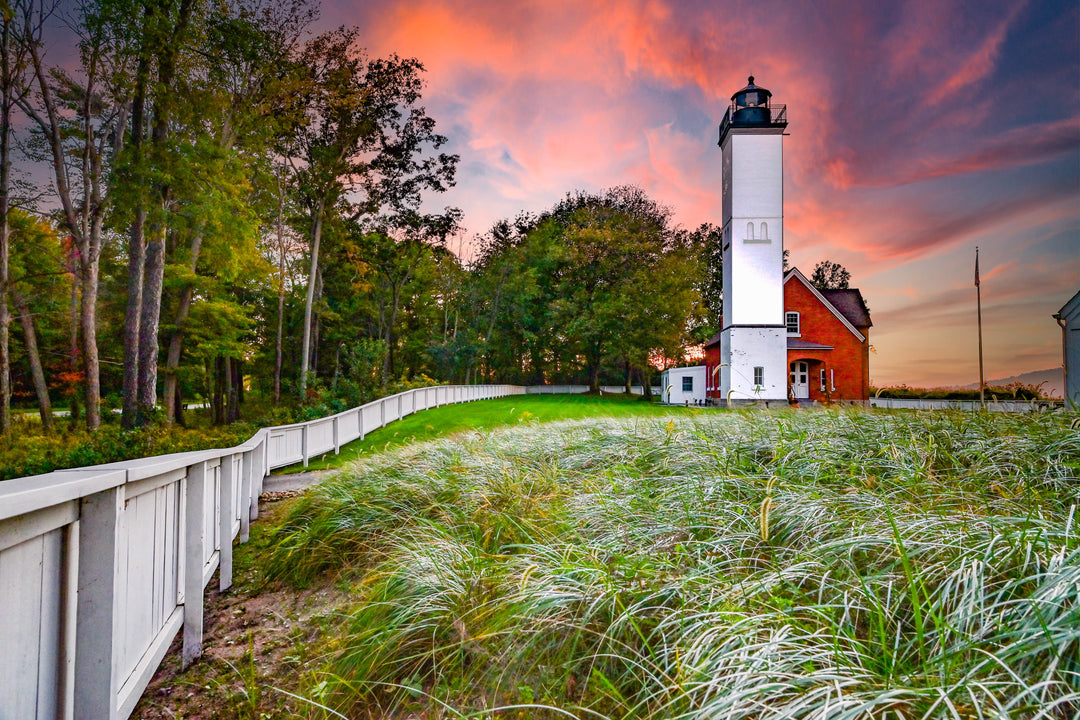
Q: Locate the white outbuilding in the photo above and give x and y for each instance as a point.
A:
(683, 386)
(1068, 318)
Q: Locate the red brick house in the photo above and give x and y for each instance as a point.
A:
(828, 344)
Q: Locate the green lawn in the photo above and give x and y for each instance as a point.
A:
(487, 415)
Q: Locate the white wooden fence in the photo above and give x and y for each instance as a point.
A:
(101, 567)
(1012, 406)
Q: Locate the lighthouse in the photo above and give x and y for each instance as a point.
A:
(753, 339)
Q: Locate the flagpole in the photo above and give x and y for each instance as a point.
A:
(978, 296)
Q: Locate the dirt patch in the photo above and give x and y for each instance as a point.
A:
(254, 640)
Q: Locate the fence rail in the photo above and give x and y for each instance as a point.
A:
(101, 567)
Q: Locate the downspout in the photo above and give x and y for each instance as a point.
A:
(1064, 365)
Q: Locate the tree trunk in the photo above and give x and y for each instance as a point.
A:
(277, 349)
(238, 367)
(153, 278)
(154, 273)
(5, 315)
(593, 363)
(316, 330)
(217, 399)
(91, 364)
(73, 333)
(309, 301)
(7, 80)
(280, 301)
(26, 319)
(136, 248)
(171, 390)
(132, 317)
(232, 409)
(178, 407)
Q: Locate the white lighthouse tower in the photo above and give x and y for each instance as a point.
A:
(753, 339)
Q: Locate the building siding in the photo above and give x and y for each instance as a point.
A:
(846, 365)
(848, 361)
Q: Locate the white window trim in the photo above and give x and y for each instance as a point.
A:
(798, 323)
(822, 385)
(832, 379)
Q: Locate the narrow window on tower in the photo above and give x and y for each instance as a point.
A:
(792, 319)
(759, 376)
(764, 232)
(749, 232)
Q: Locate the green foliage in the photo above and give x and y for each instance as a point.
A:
(600, 281)
(1012, 391)
(28, 452)
(744, 565)
(828, 275)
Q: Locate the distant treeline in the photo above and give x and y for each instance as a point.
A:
(1011, 391)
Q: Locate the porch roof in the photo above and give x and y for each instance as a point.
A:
(798, 344)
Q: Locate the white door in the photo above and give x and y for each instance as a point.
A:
(800, 380)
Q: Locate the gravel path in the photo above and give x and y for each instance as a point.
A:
(294, 481)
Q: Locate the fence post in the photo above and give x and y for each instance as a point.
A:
(246, 496)
(400, 414)
(258, 467)
(303, 442)
(193, 562)
(382, 413)
(360, 421)
(96, 632)
(225, 520)
(337, 438)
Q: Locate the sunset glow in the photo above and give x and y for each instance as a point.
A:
(917, 131)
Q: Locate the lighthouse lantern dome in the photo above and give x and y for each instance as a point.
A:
(751, 105)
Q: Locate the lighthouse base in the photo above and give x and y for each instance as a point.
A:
(753, 364)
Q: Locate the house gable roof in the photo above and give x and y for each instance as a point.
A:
(794, 273)
(850, 302)
(1070, 308)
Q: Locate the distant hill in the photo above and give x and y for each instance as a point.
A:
(1054, 379)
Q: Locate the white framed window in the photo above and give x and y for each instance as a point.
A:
(759, 375)
(792, 321)
(822, 379)
(832, 379)
(688, 383)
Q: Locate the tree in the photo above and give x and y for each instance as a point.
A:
(363, 131)
(81, 120)
(161, 39)
(35, 288)
(13, 88)
(599, 281)
(228, 178)
(830, 276)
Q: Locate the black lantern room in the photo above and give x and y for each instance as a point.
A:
(752, 107)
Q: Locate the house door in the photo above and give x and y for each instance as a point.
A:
(800, 380)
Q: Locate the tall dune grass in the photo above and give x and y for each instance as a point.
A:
(730, 565)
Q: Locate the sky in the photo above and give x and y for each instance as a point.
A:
(918, 131)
